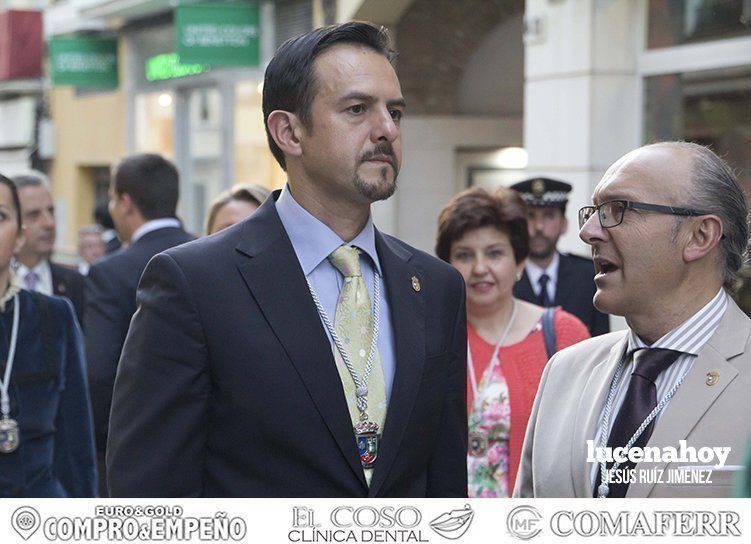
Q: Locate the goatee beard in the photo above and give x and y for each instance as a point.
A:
(380, 190)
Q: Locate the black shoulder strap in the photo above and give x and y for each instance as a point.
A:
(548, 330)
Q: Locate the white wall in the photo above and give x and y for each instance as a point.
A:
(428, 176)
(582, 104)
(582, 94)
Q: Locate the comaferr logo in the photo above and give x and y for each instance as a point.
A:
(524, 522)
(676, 523)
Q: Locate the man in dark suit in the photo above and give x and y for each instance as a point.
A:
(239, 376)
(143, 200)
(35, 269)
(552, 278)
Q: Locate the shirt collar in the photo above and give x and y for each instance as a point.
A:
(690, 336)
(151, 226)
(534, 271)
(42, 269)
(313, 241)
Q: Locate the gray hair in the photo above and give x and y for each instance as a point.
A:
(716, 191)
(32, 178)
(90, 229)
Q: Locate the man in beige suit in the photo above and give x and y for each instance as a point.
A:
(668, 399)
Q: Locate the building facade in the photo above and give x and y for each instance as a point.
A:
(496, 90)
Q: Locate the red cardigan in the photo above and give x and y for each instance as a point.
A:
(522, 364)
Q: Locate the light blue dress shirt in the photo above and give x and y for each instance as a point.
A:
(313, 242)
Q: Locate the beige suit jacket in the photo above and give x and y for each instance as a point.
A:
(572, 394)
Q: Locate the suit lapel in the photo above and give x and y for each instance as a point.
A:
(523, 289)
(275, 278)
(58, 285)
(588, 415)
(695, 397)
(408, 322)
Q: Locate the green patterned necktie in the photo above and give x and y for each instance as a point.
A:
(354, 327)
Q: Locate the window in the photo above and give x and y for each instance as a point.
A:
(710, 108)
(676, 22)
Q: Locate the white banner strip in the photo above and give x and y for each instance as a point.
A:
(285, 521)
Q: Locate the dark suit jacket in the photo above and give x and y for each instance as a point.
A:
(574, 292)
(112, 245)
(227, 384)
(68, 283)
(110, 304)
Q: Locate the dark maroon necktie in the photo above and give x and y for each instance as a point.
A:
(640, 400)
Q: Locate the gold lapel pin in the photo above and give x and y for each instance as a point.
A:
(416, 284)
(712, 378)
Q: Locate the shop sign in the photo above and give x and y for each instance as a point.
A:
(225, 34)
(84, 62)
(169, 66)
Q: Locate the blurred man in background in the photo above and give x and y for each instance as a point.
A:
(109, 234)
(35, 269)
(91, 247)
(143, 203)
(552, 278)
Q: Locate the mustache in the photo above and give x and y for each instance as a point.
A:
(382, 149)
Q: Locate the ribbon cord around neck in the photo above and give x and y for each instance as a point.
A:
(604, 489)
(360, 384)
(9, 434)
(493, 357)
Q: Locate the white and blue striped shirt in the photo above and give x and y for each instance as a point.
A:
(689, 338)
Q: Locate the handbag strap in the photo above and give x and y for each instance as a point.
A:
(548, 331)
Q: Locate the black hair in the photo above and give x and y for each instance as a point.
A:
(14, 197)
(102, 216)
(152, 183)
(290, 84)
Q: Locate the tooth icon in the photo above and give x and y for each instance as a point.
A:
(453, 524)
(25, 521)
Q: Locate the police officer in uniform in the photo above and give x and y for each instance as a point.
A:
(552, 278)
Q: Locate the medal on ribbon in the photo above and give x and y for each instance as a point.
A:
(478, 442)
(9, 435)
(368, 442)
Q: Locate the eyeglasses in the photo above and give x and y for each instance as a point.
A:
(611, 212)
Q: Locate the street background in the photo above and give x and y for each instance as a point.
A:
(496, 91)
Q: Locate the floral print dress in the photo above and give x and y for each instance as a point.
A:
(489, 425)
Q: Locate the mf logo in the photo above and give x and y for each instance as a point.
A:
(524, 522)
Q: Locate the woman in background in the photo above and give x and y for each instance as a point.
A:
(46, 432)
(234, 205)
(509, 341)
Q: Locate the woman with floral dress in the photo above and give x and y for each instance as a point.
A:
(509, 341)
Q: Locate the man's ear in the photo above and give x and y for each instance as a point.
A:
(704, 236)
(127, 203)
(285, 129)
(564, 229)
